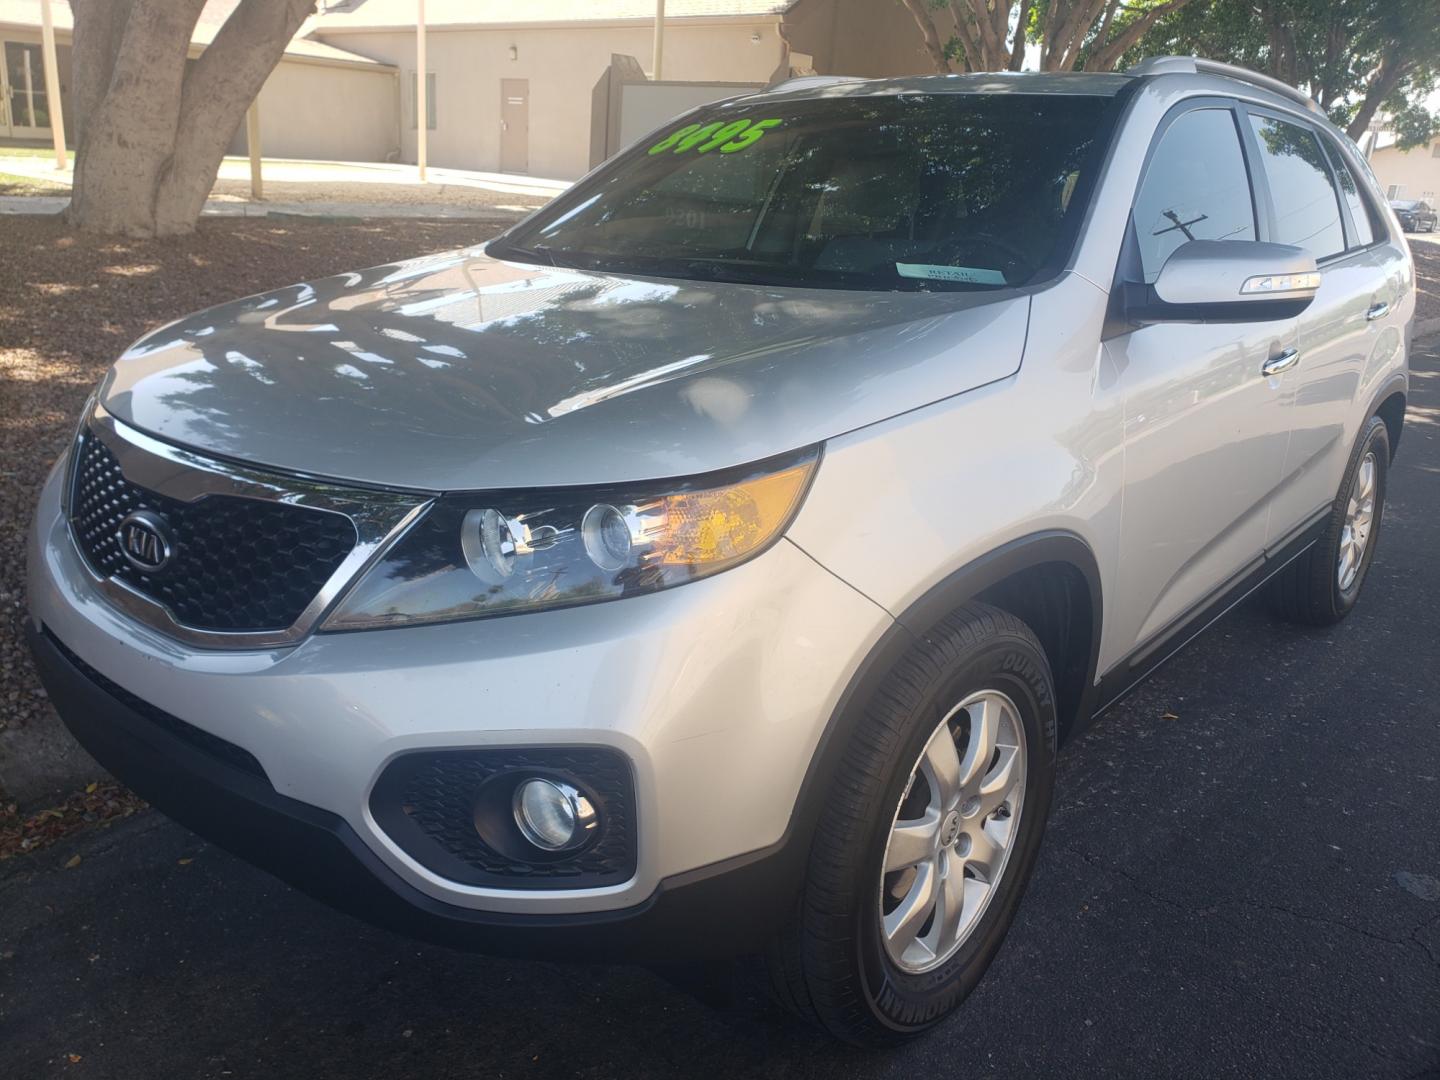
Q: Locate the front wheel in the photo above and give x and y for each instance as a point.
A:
(929, 837)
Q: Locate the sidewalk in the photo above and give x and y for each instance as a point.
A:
(326, 188)
(44, 205)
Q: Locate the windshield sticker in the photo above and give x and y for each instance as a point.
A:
(702, 138)
(971, 275)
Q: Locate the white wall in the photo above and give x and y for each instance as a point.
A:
(562, 65)
(1417, 171)
(328, 112)
(646, 106)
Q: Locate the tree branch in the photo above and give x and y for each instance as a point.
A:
(933, 48)
(1386, 80)
(969, 35)
(218, 89)
(1109, 53)
(1064, 51)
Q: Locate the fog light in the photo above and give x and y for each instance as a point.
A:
(552, 815)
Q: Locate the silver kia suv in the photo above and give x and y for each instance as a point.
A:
(715, 561)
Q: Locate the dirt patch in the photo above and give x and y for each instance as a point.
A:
(70, 304)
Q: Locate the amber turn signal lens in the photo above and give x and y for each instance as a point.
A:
(720, 525)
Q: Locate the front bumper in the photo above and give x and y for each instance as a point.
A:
(736, 904)
(717, 693)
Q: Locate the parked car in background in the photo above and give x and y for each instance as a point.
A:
(716, 560)
(1414, 215)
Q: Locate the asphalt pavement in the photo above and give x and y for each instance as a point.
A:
(1241, 878)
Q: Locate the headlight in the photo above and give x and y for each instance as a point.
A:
(490, 554)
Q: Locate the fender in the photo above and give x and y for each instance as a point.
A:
(777, 872)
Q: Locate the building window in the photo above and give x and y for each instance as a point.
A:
(1435, 148)
(1393, 191)
(429, 100)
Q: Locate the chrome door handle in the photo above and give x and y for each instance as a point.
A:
(1284, 362)
(1377, 311)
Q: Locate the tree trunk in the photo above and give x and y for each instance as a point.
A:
(98, 28)
(1017, 46)
(155, 126)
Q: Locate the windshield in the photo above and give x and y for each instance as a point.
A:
(901, 191)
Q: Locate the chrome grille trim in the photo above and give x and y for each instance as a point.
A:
(380, 518)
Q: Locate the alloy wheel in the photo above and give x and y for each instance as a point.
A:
(953, 832)
(1359, 521)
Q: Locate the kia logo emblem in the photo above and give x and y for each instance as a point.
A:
(145, 541)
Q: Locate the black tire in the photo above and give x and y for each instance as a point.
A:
(1308, 591)
(830, 965)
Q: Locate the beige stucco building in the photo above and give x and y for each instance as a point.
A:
(1408, 174)
(511, 84)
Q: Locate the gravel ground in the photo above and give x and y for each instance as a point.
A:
(70, 304)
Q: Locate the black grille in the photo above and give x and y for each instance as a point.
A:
(238, 564)
(200, 739)
(426, 802)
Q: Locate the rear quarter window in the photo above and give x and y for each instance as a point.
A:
(1362, 214)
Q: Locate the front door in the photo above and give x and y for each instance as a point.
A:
(515, 125)
(1205, 430)
(26, 109)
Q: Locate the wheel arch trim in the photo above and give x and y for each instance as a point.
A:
(1397, 383)
(965, 584)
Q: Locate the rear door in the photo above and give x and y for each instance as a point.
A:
(1311, 200)
(1205, 431)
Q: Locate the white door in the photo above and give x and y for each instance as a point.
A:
(26, 107)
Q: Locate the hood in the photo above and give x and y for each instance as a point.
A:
(460, 372)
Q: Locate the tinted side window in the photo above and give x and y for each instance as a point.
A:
(1195, 188)
(1359, 205)
(1307, 212)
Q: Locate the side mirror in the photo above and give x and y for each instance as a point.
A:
(1227, 280)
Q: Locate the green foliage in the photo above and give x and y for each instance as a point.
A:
(1352, 56)
(1413, 124)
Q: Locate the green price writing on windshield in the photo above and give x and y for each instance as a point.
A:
(702, 138)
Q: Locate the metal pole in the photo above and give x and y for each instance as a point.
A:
(52, 84)
(252, 142)
(659, 39)
(422, 105)
(29, 90)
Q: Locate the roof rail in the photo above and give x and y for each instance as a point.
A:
(1195, 65)
(803, 82)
